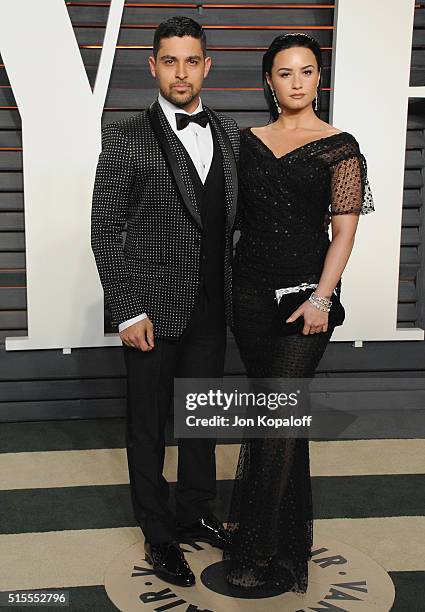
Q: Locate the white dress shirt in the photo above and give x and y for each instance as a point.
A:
(198, 142)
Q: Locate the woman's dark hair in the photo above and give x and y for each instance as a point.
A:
(179, 26)
(285, 41)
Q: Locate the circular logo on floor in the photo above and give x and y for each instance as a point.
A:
(340, 578)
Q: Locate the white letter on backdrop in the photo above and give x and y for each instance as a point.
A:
(61, 132)
(370, 83)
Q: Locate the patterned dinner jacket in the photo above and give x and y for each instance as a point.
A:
(143, 181)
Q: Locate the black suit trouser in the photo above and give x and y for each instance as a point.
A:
(197, 353)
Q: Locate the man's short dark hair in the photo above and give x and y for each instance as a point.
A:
(179, 26)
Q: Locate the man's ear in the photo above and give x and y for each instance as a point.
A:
(152, 66)
(207, 67)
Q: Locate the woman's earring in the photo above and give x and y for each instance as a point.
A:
(279, 110)
(315, 100)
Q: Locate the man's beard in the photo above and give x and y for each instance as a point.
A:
(182, 100)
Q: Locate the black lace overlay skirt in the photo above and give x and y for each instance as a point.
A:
(271, 517)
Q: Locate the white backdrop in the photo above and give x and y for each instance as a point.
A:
(370, 83)
(62, 141)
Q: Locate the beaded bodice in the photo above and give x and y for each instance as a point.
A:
(285, 205)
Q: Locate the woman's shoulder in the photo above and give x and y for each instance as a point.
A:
(340, 145)
(329, 130)
(249, 139)
(333, 131)
(254, 130)
(244, 131)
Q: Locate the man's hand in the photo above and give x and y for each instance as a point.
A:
(139, 335)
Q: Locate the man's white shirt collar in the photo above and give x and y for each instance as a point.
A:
(170, 109)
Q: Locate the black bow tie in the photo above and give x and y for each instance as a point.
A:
(183, 120)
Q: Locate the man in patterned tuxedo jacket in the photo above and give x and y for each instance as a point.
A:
(169, 174)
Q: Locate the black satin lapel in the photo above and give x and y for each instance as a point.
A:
(230, 167)
(171, 157)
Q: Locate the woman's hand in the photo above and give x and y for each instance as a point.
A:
(315, 320)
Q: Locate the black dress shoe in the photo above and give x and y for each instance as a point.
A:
(205, 529)
(169, 563)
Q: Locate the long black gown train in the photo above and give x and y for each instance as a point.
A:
(285, 206)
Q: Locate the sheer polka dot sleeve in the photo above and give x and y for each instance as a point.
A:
(112, 194)
(350, 188)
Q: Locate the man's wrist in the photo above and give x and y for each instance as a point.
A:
(122, 326)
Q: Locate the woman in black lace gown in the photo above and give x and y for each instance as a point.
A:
(297, 175)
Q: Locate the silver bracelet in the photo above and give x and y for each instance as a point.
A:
(320, 302)
(323, 299)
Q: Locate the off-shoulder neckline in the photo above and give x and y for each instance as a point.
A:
(296, 148)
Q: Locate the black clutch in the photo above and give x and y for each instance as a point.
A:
(289, 302)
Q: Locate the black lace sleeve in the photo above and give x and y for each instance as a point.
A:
(350, 188)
